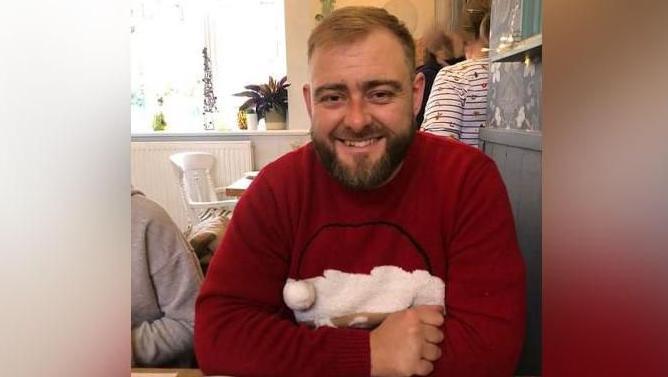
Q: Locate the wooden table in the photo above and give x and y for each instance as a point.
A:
(157, 372)
(238, 187)
(163, 372)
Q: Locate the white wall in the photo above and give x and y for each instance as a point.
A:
(268, 147)
(443, 14)
(298, 25)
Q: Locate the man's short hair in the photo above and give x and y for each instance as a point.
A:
(350, 24)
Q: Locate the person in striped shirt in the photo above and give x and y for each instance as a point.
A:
(457, 104)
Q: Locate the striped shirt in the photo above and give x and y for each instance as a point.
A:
(457, 105)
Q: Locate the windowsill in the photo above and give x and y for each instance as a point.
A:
(213, 135)
(223, 133)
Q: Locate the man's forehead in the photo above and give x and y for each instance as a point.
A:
(353, 42)
(374, 58)
(331, 79)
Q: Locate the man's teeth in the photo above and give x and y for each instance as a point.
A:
(359, 143)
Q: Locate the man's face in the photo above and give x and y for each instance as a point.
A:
(362, 103)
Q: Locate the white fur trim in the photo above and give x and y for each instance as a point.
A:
(386, 289)
(298, 294)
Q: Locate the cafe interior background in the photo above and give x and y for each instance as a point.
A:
(188, 58)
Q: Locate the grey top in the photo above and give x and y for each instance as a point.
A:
(166, 278)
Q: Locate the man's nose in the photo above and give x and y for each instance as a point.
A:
(357, 114)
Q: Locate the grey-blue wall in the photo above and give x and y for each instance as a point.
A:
(513, 138)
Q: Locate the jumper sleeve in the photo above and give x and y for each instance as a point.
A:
(444, 111)
(242, 326)
(485, 287)
(176, 277)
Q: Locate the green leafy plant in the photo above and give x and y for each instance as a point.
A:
(266, 97)
(159, 123)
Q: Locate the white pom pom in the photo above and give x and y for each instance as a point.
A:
(298, 294)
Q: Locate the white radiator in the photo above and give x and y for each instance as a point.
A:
(152, 173)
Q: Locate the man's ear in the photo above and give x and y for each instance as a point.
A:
(418, 92)
(306, 91)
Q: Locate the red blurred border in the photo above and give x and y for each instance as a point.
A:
(605, 206)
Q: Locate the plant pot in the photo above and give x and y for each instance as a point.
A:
(274, 120)
(159, 123)
(251, 121)
(209, 120)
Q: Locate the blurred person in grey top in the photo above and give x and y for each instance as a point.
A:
(166, 277)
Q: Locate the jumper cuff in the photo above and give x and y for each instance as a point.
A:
(352, 356)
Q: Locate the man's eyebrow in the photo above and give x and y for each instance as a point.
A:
(396, 85)
(367, 85)
(336, 87)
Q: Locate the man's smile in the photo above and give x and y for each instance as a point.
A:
(360, 145)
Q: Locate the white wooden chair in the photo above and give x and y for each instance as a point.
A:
(200, 196)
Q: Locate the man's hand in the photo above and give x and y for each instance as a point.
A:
(407, 342)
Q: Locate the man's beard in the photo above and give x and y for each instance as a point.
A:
(365, 174)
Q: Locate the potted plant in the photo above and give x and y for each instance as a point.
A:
(159, 123)
(269, 101)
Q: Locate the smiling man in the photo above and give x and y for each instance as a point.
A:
(361, 105)
(373, 204)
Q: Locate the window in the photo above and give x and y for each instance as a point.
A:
(245, 42)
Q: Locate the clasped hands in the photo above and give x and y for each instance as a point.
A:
(407, 342)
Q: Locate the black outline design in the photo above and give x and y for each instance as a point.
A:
(418, 247)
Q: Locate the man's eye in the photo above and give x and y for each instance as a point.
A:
(331, 98)
(381, 96)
